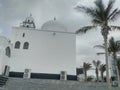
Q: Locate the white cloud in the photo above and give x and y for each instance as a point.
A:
(1, 31)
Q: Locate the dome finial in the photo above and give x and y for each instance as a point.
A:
(54, 18)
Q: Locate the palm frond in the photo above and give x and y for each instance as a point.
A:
(85, 29)
(97, 21)
(114, 46)
(101, 14)
(100, 53)
(114, 15)
(96, 63)
(90, 11)
(115, 27)
(109, 8)
(100, 46)
(111, 44)
(86, 66)
(102, 67)
(100, 10)
(99, 4)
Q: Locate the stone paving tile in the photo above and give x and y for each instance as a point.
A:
(40, 84)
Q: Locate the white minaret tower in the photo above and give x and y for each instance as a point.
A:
(28, 22)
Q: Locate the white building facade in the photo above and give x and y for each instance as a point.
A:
(5, 53)
(49, 50)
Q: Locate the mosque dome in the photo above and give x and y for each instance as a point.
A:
(53, 25)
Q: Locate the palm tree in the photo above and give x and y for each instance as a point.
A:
(101, 16)
(96, 64)
(114, 47)
(86, 67)
(102, 70)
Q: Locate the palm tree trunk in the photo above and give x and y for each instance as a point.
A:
(97, 74)
(119, 72)
(107, 63)
(85, 72)
(105, 32)
(116, 66)
(102, 76)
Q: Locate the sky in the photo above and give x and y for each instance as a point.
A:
(13, 12)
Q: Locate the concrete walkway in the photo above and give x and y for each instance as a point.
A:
(40, 84)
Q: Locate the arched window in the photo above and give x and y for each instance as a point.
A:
(26, 45)
(23, 35)
(7, 51)
(17, 45)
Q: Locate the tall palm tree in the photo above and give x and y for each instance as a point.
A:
(102, 70)
(96, 64)
(101, 16)
(86, 67)
(114, 47)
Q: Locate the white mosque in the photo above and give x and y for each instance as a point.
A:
(51, 49)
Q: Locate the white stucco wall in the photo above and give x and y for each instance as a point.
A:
(4, 60)
(47, 53)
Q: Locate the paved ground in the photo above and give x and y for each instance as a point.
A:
(40, 84)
